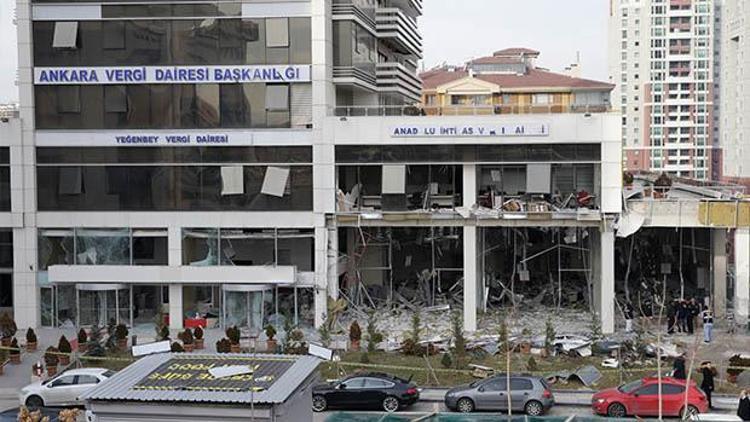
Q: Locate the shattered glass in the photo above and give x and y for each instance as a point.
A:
(103, 247)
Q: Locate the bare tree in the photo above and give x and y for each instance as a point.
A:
(693, 354)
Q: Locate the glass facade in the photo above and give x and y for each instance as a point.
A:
(175, 42)
(179, 106)
(4, 179)
(177, 179)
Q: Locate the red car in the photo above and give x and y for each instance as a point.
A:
(641, 398)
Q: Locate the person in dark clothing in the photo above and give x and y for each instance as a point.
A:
(743, 410)
(692, 312)
(629, 312)
(671, 317)
(681, 317)
(707, 385)
(679, 368)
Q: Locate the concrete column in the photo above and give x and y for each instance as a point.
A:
(321, 275)
(175, 306)
(333, 262)
(719, 276)
(469, 185)
(742, 275)
(470, 278)
(174, 243)
(603, 274)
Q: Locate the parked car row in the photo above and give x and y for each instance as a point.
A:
(378, 391)
(527, 394)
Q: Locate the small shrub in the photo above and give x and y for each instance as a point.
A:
(531, 365)
(187, 336)
(31, 336)
(355, 333)
(365, 358)
(549, 337)
(270, 331)
(446, 360)
(8, 326)
(198, 333)
(64, 345)
(177, 347)
(296, 343)
(82, 336)
(233, 334)
(374, 337)
(459, 341)
(14, 348)
(121, 332)
(51, 357)
(223, 346)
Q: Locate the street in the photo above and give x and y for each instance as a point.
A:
(426, 408)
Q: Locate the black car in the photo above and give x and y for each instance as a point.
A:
(365, 391)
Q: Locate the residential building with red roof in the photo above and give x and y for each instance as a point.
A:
(509, 81)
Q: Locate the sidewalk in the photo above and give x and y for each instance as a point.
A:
(577, 398)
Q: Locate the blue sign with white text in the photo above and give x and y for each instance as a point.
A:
(170, 75)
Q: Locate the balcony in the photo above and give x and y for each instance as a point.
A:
(414, 7)
(360, 77)
(354, 111)
(349, 10)
(401, 31)
(398, 79)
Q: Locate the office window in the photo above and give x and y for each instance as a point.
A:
(277, 97)
(113, 35)
(115, 99)
(69, 99)
(277, 32)
(66, 35)
(70, 181)
(207, 105)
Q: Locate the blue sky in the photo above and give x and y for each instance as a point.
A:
(455, 31)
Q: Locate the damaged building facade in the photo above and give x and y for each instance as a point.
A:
(242, 162)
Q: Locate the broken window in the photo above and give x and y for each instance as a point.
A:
(275, 181)
(150, 247)
(232, 180)
(102, 247)
(55, 248)
(248, 247)
(200, 247)
(66, 35)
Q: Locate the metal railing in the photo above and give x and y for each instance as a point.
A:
(419, 110)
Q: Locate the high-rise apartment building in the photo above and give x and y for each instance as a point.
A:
(735, 91)
(662, 60)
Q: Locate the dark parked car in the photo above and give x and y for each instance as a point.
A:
(528, 394)
(366, 391)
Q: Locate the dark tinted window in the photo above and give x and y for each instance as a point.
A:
(358, 382)
(252, 105)
(165, 188)
(173, 41)
(496, 384)
(372, 154)
(520, 384)
(150, 155)
(376, 383)
(649, 390)
(672, 389)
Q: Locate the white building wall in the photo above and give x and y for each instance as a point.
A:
(735, 89)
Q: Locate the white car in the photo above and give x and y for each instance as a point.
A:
(63, 389)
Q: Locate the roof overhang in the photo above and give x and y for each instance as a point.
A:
(468, 85)
(127, 274)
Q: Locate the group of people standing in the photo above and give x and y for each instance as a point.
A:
(682, 314)
(681, 317)
(708, 372)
